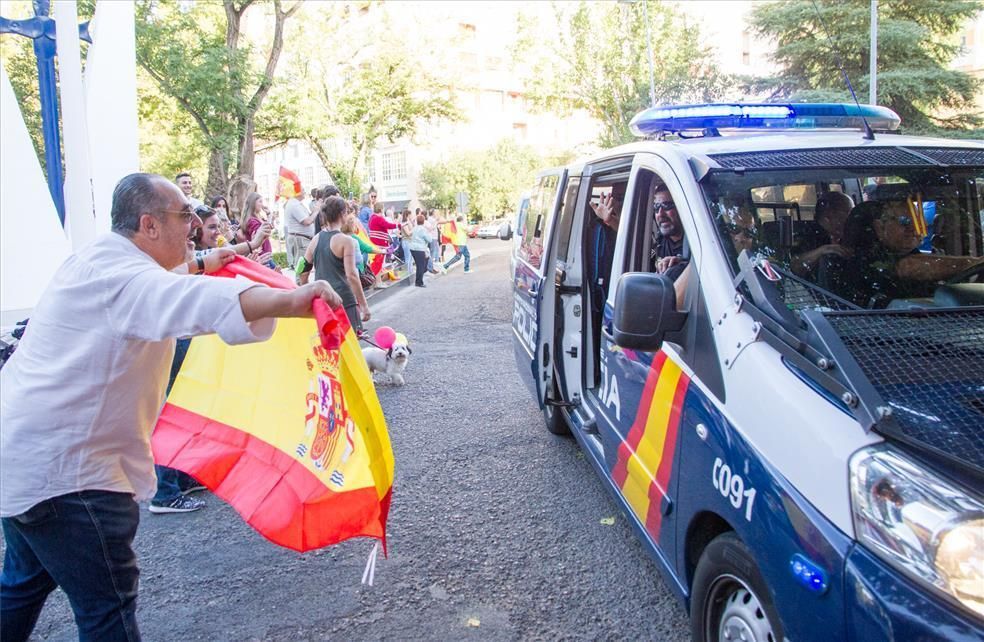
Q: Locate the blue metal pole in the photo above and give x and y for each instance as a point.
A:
(45, 49)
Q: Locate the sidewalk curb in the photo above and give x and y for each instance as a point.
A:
(377, 295)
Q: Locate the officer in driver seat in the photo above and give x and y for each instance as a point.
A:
(887, 262)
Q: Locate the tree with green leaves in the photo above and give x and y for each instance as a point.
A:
(439, 183)
(355, 92)
(916, 44)
(196, 55)
(17, 55)
(597, 61)
(169, 139)
(492, 178)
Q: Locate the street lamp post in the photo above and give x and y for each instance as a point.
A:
(873, 58)
(649, 49)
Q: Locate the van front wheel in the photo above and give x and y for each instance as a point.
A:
(552, 415)
(730, 600)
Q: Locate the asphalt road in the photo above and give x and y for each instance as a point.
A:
(495, 531)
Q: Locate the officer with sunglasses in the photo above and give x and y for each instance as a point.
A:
(888, 264)
(667, 254)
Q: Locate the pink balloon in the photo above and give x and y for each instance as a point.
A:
(384, 337)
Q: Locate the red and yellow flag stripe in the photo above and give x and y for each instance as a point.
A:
(453, 234)
(644, 461)
(288, 184)
(288, 431)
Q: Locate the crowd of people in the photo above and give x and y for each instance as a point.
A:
(382, 239)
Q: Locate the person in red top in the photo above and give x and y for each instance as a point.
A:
(255, 215)
(379, 229)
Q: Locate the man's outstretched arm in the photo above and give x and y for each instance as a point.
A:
(267, 303)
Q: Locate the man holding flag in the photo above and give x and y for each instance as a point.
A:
(454, 234)
(83, 391)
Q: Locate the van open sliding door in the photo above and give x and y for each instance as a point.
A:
(533, 293)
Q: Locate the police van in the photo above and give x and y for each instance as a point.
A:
(764, 325)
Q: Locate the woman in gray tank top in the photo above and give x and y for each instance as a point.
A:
(332, 253)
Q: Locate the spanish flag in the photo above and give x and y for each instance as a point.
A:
(453, 234)
(288, 184)
(288, 431)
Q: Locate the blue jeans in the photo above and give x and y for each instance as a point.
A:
(462, 252)
(435, 254)
(82, 542)
(171, 482)
(407, 256)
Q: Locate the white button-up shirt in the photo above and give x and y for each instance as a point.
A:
(80, 396)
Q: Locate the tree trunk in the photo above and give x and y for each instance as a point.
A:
(218, 175)
(359, 158)
(246, 155)
(319, 151)
(245, 162)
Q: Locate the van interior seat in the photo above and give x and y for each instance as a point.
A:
(770, 233)
(807, 233)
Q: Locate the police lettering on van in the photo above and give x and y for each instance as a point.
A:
(770, 346)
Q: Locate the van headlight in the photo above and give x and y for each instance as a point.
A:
(919, 523)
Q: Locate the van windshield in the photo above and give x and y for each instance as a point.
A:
(892, 237)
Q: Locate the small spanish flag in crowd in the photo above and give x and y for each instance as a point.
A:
(288, 184)
(288, 431)
(453, 234)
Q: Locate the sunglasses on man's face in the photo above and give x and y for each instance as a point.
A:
(662, 207)
(902, 219)
(186, 214)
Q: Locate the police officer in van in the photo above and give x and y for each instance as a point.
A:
(667, 255)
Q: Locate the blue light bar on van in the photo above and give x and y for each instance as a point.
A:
(676, 118)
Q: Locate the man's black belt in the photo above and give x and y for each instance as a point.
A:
(299, 234)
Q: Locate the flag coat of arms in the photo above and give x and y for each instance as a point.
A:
(288, 184)
(288, 431)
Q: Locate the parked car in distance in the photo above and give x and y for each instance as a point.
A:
(492, 229)
(506, 230)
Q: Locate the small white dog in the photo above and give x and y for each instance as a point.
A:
(390, 364)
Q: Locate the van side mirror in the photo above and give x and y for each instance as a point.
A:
(645, 311)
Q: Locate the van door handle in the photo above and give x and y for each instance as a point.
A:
(607, 331)
(531, 292)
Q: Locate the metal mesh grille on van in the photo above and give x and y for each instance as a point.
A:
(928, 366)
(821, 158)
(852, 157)
(952, 156)
(798, 294)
